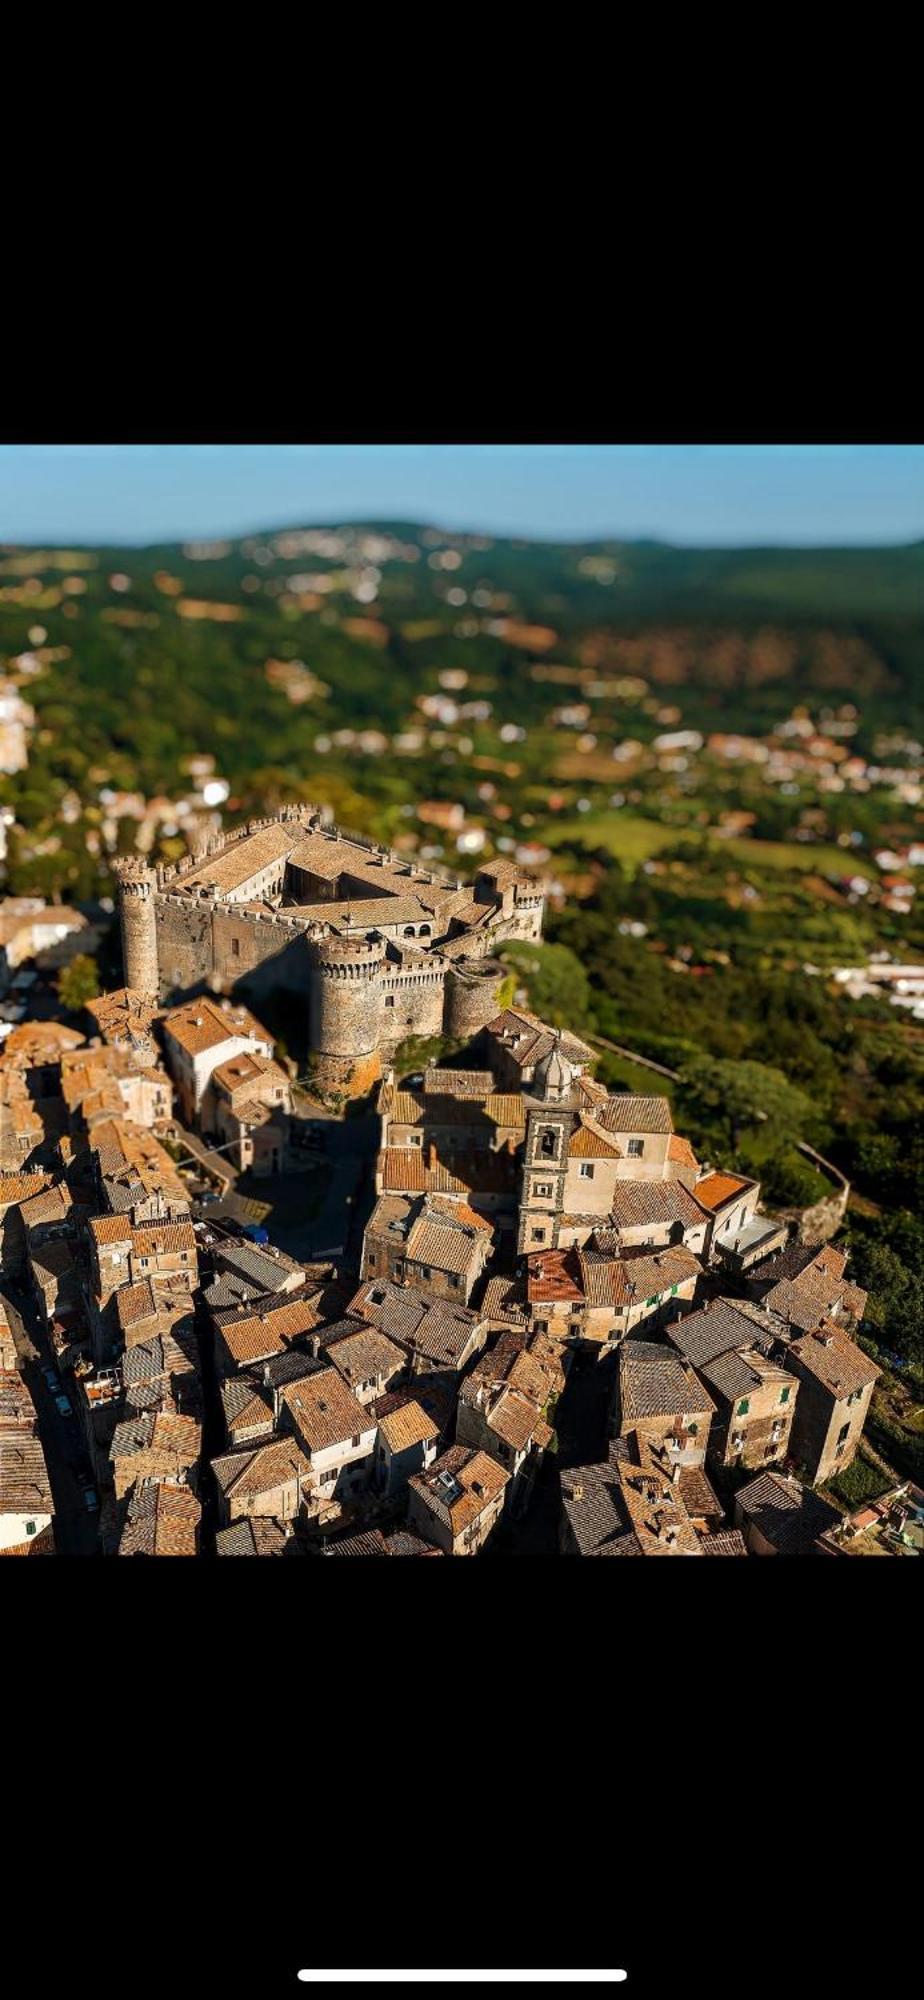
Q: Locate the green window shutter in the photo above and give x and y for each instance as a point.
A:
(674, 1290)
(743, 1407)
(784, 1395)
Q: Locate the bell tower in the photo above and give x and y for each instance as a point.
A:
(550, 1111)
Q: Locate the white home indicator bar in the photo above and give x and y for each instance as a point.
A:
(581, 1978)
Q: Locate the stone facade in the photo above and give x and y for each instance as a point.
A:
(379, 947)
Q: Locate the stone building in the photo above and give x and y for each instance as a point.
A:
(730, 1345)
(836, 1382)
(379, 947)
(432, 1242)
(458, 1501)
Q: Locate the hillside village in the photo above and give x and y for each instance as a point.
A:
(501, 1307)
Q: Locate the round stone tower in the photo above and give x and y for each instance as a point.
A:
(347, 1011)
(139, 934)
(472, 995)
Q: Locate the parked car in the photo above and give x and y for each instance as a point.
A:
(63, 1406)
(51, 1380)
(256, 1232)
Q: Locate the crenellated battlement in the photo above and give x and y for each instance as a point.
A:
(291, 900)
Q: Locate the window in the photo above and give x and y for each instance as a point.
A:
(635, 1148)
(542, 1188)
(541, 1326)
(743, 1407)
(389, 999)
(784, 1395)
(454, 1278)
(538, 1235)
(587, 1172)
(693, 1430)
(30, 1527)
(356, 1443)
(371, 1261)
(235, 947)
(843, 1434)
(674, 1291)
(547, 1143)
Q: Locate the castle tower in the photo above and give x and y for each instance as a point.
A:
(473, 989)
(347, 1008)
(550, 1109)
(139, 934)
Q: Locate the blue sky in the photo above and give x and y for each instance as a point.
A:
(720, 494)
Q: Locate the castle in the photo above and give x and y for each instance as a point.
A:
(380, 947)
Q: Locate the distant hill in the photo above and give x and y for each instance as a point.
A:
(256, 649)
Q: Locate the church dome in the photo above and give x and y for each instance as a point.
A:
(553, 1076)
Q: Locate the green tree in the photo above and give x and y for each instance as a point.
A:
(729, 1097)
(78, 983)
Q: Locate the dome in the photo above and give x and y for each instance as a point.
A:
(553, 1076)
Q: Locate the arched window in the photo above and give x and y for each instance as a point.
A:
(409, 930)
(547, 1143)
(424, 930)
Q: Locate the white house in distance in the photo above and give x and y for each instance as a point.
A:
(201, 1035)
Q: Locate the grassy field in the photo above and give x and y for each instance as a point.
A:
(632, 839)
(626, 836)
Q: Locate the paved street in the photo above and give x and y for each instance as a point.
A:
(76, 1532)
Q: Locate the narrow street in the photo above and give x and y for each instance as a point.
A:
(76, 1529)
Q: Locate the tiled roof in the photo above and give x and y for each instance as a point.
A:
(505, 1299)
(247, 1069)
(369, 1543)
(590, 1498)
(654, 1382)
(433, 1328)
(835, 1361)
(324, 1410)
(261, 1468)
(727, 1542)
(643, 1204)
(363, 1353)
(626, 1112)
(177, 1437)
(255, 1535)
(788, 1515)
(681, 1152)
(818, 1290)
(403, 1543)
(244, 1404)
(17, 1188)
(268, 1268)
(24, 1486)
(478, 1480)
(514, 1419)
(656, 1509)
(629, 1280)
(722, 1326)
(588, 1143)
(253, 1333)
(528, 1040)
(162, 1520)
(698, 1497)
(553, 1275)
(739, 1373)
(477, 1083)
(407, 1426)
(202, 1024)
(714, 1190)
